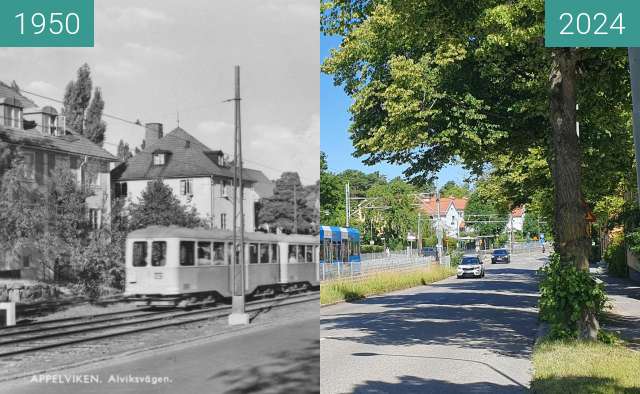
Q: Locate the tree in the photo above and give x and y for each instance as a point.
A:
(278, 211)
(452, 189)
(76, 99)
(124, 152)
(84, 114)
(483, 216)
(471, 81)
(331, 195)
(95, 126)
(157, 206)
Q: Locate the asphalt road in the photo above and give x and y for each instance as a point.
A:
(281, 358)
(456, 336)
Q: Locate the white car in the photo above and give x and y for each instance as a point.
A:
(471, 266)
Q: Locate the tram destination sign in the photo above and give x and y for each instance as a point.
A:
(592, 23)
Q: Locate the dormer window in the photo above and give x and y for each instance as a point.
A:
(159, 159)
(11, 111)
(221, 160)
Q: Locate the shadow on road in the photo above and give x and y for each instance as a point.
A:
(413, 384)
(445, 314)
(579, 384)
(290, 372)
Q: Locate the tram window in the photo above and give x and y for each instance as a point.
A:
(293, 255)
(140, 254)
(187, 253)
(354, 249)
(158, 253)
(218, 253)
(322, 251)
(301, 253)
(264, 253)
(309, 253)
(253, 253)
(204, 253)
(274, 253)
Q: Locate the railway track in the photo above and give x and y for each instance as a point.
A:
(50, 334)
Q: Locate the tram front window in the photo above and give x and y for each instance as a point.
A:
(140, 254)
(158, 253)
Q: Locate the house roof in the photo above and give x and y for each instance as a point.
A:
(430, 206)
(71, 143)
(517, 212)
(7, 91)
(264, 186)
(188, 158)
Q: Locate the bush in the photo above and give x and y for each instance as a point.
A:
(371, 248)
(565, 292)
(615, 257)
(456, 258)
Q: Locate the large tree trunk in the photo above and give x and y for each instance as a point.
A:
(571, 238)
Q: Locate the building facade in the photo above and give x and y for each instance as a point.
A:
(200, 177)
(450, 211)
(44, 143)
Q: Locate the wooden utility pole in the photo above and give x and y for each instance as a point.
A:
(238, 315)
(295, 211)
(634, 68)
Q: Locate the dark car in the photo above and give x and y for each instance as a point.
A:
(429, 251)
(500, 256)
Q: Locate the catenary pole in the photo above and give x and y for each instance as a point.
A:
(238, 315)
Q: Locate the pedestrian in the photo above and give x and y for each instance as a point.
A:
(387, 252)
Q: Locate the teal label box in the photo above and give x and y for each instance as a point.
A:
(46, 23)
(592, 23)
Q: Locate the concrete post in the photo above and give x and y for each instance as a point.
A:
(10, 312)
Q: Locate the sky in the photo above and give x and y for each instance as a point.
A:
(335, 141)
(155, 58)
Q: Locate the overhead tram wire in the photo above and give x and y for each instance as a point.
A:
(140, 124)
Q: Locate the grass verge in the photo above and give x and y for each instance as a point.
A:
(381, 283)
(585, 367)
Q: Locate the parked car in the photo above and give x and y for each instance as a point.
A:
(500, 256)
(428, 251)
(471, 265)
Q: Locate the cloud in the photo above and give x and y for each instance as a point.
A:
(120, 69)
(43, 88)
(152, 51)
(271, 148)
(135, 17)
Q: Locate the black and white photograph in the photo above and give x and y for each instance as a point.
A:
(160, 202)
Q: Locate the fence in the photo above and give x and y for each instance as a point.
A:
(372, 263)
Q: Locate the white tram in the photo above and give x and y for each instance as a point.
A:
(168, 266)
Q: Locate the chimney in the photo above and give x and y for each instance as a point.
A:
(153, 133)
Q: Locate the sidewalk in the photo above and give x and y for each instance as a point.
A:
(624, 295)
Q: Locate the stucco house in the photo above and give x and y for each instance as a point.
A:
(199, 176)
(451, 213)
(43, 141)
(517, 214)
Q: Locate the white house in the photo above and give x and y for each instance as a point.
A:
(451, 213)
(518, 219)
(200, 177)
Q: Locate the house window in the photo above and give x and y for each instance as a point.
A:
(17, 117)
(221, 160)
(223, 188)
(29, 167)
(94, 218)
(186, 187)
(121, 189)
(158, 159)
(223, 221)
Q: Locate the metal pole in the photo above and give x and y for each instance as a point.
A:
(634, 68)
(238, 315)
(295, 211)
(511, 232)
(438, 226)
(347, 201)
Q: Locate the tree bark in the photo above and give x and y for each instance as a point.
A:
(571, 238)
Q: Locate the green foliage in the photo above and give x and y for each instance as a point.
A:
(278, 210)
(616, 256)
(95, 126)
(452, 189)
(633, 241)
(456, 258)
(479, 209)
(565, 294)
(157, 206)
(84, 113)
(332, 209)
(371, 248)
